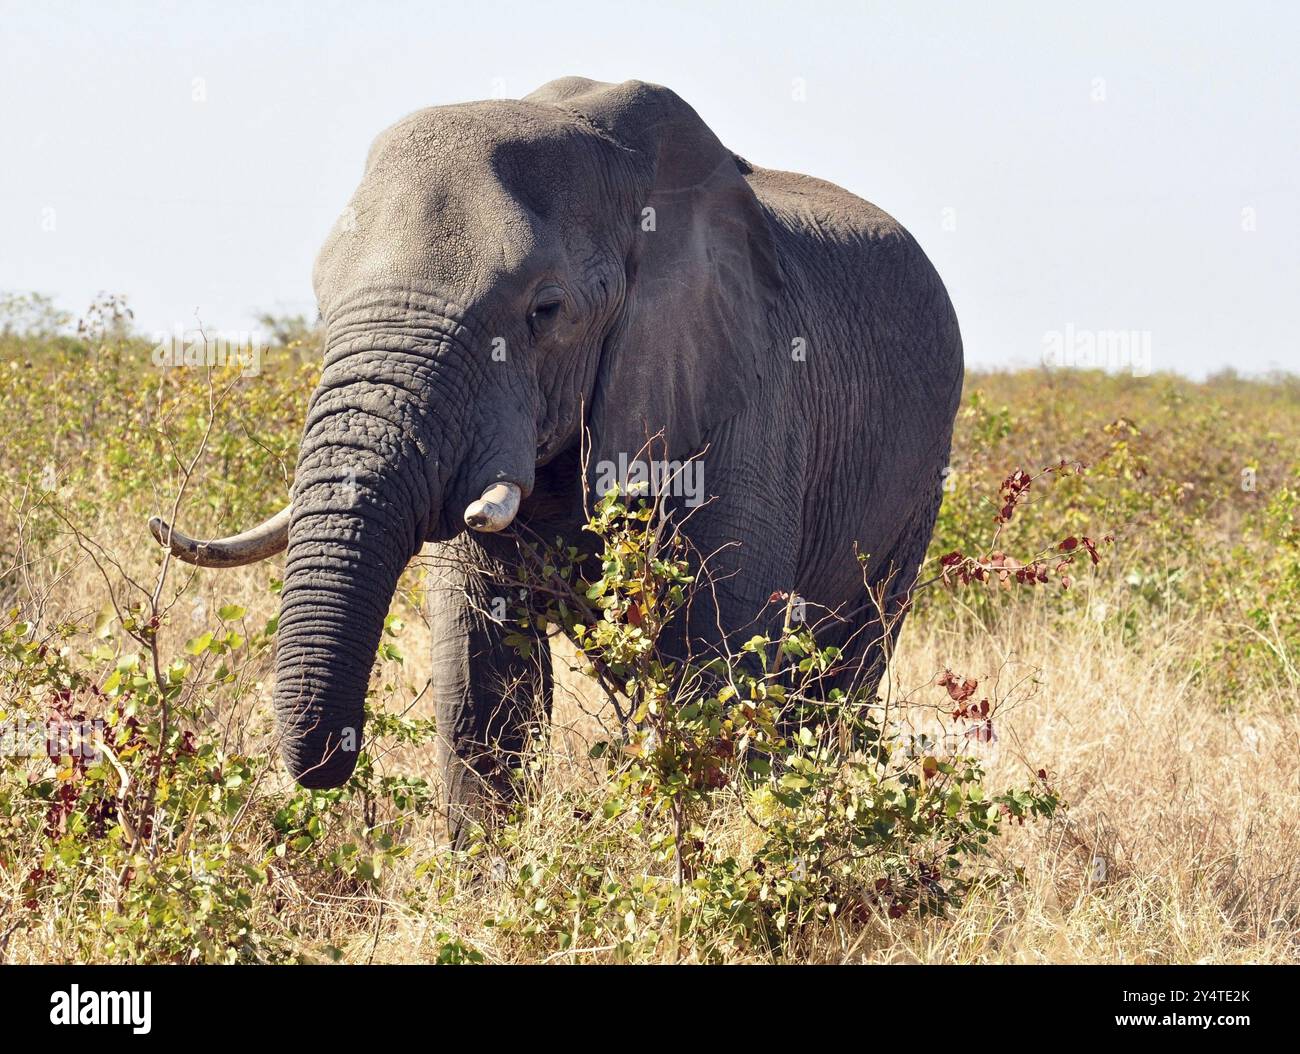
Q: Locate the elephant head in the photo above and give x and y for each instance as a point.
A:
(507, 274)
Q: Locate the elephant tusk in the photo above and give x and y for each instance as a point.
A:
(495, 510)
(266, 539)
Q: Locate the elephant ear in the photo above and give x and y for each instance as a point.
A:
(702, 275)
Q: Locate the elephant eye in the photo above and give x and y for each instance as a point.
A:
(546, 311)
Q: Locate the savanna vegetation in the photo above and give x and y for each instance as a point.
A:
(1085, 748)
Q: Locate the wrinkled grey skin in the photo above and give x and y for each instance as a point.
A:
(467, 219)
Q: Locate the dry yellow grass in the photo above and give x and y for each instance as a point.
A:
(1182, 835)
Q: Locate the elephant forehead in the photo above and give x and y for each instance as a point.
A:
(462, 197)
(474, 127)
(534, 155)
(460, 236)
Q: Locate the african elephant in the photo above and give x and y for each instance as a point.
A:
(589, 267)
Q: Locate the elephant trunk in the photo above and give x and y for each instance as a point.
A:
(331, 619)
(369, 489)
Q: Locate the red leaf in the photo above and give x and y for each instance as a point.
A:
(958, 691)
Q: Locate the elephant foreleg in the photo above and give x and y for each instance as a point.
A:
(491, 697)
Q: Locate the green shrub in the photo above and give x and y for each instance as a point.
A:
(847, 816)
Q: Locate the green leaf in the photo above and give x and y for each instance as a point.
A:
(104, 621)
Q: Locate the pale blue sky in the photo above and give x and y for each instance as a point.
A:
(1069, 168)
